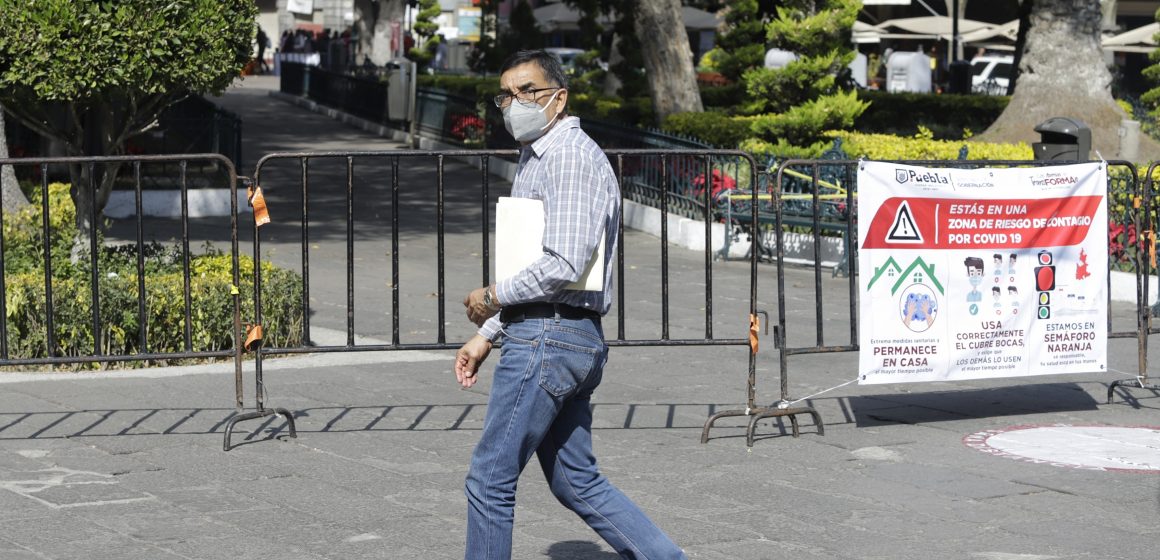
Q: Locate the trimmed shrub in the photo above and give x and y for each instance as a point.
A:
(716, 129)
(947, 116)
(473, 87)
(726, 97)
(924, 146)
(211, 321)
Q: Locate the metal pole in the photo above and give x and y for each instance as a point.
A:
(955, 54)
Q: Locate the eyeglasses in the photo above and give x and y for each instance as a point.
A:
(526, 97)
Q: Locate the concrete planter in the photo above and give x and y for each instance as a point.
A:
(167, 203)
(690, 234)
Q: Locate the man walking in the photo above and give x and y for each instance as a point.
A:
(553, 347)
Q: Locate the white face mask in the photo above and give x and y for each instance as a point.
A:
(525, 123)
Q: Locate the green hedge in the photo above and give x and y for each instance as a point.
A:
(714, 128)
(633, 111)
(726, 97)
(475, 87)
(947, 116)
(924, 146)
(211, 282)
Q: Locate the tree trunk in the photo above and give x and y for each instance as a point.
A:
(13, 197)
(93, 184)
(381, 49)
(667, 58)
(364, 21)
(1062, 73)
(611, 80)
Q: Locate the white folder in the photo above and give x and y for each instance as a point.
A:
(519, 242)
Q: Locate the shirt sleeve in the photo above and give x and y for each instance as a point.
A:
(490, 328)
(574, 219)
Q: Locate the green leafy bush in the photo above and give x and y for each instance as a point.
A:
(924, 147)
(211, 283)
(716, 129)
(628, 112)
(475, 87)
(947, 116)
(726, 97)
(800, 124)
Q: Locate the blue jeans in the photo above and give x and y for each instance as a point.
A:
(539, 403)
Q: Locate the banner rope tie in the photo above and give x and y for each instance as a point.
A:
(787, 404)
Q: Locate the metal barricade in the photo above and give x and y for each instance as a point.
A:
(423, 199)
(822, 176)
(1142, 215)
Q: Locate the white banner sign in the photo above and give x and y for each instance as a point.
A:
(978, 273)
(300, 6)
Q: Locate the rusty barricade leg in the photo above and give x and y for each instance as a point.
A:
(1143, 218)
(752, 411)
(785, 406)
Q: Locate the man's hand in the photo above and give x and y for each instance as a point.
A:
(477, 311)
(468, 359)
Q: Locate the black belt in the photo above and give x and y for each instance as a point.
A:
(544, 310)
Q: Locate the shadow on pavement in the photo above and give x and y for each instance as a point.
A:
(579, 550)
(939, 406)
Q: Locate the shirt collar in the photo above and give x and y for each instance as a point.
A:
(554, 134)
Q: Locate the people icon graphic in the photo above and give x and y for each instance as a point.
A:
(975, 277)
(1013, 293)
(998, 265)
(995, 291)
(1011, 266)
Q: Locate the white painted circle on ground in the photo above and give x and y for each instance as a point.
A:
(1104, 448)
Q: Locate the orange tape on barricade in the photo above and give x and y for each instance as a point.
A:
(258, 203)
(1137, 202)
(1151, 237)
(754, 327)
(253, 337)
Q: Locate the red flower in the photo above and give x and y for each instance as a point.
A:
(721, 182)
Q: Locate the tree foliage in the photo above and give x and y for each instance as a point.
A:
(425, 27)
(796, 104)
(1152, 97)
(742, 45)
(94, 73)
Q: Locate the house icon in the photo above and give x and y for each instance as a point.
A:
(919, 272)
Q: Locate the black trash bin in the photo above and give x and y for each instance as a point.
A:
(1064, 139)
(960, 81)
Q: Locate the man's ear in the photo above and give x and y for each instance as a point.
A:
(562, 101)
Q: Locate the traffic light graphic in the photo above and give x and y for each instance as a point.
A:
(1045, 283)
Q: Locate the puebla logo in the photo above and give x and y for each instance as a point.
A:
(903, 176)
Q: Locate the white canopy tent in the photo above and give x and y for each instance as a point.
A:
(562, 17)
(993, 33)
(866, 33)
(926, 27)
(1139, 40)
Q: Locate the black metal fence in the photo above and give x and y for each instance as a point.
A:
(45, 295)
(407, 202)
(387, 198)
